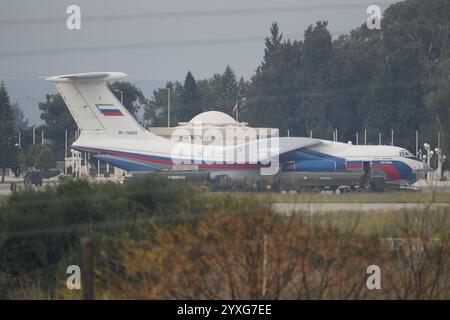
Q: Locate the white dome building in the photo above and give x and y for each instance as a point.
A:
(213, 126)
(213, 118)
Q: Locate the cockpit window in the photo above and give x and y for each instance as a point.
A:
(407, 154)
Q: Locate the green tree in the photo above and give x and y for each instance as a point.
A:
(155, 111)
(272, 95)
(45, 159)
(190, 99)
(273, 43)
(317, 48)
(133, 98)
(438, 101)
(229, 90)
(21, 121)
(8, 135)
(32, 154)
(57, 119)
(314, 109)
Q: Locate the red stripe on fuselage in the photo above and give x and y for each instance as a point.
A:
(389, 169)
(166, 162)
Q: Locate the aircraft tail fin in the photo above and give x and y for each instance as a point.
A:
(94, 107)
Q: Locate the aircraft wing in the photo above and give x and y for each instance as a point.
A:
(292, 144)
(274, 147)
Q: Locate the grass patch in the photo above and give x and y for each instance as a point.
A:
(396, 197)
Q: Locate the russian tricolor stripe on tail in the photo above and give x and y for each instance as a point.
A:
(109, 110)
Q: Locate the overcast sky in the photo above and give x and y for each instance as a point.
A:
(157, 39)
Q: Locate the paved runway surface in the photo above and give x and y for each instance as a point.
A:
(288, 208)
(4, 189)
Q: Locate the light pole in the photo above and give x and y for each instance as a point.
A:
(429, 155)
(440, 161)
(417, 142)
(168, 107)
(65, 152)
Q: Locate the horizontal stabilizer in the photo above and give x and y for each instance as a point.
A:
(106, 76)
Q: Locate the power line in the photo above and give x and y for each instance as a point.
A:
(19, 74)
(133, 46)
(193, 14)
(144, 45)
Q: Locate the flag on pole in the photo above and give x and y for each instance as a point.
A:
(236, 108)
(236, 111)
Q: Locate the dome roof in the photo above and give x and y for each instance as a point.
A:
(213, 117)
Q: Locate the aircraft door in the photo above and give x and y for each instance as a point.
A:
(367, 168)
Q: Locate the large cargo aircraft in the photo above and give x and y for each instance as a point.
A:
(110, 132)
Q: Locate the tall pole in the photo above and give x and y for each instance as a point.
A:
(86, 164)
(392, 137)
(87, 269)
(439, 163)
(42, 137)
(428, 150)
(264, 268)
(365, 136)
(379, 138)
(65, 144)
(19, 139)
(98, 168)
(65, 151)
(357, 136)
(439, 139)
(34, 134)
(168, 107)
(288, 134)
(417, 143)
(337, 135)
(310, 133)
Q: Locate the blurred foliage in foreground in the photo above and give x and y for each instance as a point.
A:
(156, 240)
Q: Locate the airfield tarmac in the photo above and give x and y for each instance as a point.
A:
(316, 208)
